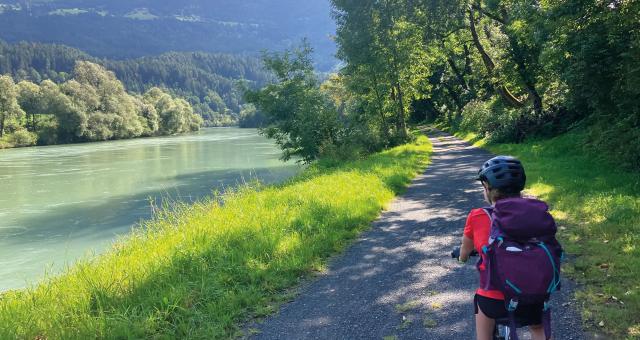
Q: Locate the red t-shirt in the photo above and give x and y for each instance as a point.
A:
(477, 228)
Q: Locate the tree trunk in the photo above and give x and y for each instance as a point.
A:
(383, 120)
(527, 78)
(2, 117)
(401, 125)
(537, 101)
(517, 55)
(467, 60)
(454, 95)
(457, 73)
(506, 95)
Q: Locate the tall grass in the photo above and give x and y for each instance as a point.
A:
(200, 271)
(597, 205)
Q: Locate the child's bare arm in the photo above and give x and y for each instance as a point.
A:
(465, 249)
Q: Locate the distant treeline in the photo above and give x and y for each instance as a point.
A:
(207, 81)
(92, 105)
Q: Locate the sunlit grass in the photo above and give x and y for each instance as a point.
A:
(200, 271)
(597, 206)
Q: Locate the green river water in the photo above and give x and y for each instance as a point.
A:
(59, 203)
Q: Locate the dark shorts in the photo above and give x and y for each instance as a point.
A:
(526, 315)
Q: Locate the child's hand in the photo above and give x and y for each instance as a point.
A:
(456, 255)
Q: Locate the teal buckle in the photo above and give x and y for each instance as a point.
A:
(513, 305)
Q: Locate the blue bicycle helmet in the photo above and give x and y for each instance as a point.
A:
(504, 173)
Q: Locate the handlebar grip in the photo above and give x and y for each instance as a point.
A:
(455, 253)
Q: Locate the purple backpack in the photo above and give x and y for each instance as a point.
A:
(523, 256)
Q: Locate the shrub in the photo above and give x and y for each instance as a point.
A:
(493, 121)
(21, 138)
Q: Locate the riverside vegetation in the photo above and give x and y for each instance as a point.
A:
(91, 106)
(206, 80)
(198, 271)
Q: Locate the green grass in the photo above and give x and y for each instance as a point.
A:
(597, 206)
(201, 271)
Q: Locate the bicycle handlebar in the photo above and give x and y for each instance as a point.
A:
(456, 253)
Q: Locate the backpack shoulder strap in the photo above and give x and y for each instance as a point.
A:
(489, 212)
(494, 229)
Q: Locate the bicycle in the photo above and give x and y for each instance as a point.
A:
(502, 330)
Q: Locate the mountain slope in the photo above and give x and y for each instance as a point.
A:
(126, 29)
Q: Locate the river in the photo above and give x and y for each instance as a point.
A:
(58, 203)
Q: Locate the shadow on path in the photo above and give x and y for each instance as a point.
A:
(398, 278)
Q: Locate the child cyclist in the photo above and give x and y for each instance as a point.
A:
(502, 177)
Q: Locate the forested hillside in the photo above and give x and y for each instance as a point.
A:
(207, 81)
(92, 105)
(131, 29)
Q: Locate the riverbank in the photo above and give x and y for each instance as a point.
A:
(58, 202)
(598, 208)
(201, 270)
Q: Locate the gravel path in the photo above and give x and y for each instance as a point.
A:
(398, 280)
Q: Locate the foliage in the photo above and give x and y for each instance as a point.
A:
(600, 65)
(491, 120)
(519, 69)
(250, 117)
(597, 206)
(10, 112)
(207, 81)
(20, 138)
(91, 106)
(200, 271)
(299, 115)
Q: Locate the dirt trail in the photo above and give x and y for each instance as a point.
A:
(398, 280)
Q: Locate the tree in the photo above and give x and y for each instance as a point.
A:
(10, 111)
(71, 118)
(175, 115)
(299, 116)
(31, 101)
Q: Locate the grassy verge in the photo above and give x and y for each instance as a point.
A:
(598, 209)
(199, 272)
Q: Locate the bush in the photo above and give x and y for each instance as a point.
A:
(19, 138)
(476, 116)
(492, 120)
(619, 140)
(250, 117)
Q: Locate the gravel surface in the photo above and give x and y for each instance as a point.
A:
(398, 280)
